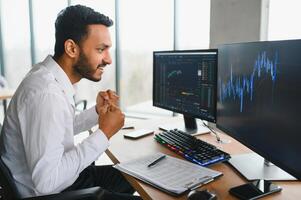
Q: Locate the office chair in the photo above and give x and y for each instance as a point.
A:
(82, 102)
(9, 190)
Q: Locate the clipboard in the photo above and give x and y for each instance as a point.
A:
(171, 175)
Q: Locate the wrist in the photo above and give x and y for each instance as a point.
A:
(105, 132)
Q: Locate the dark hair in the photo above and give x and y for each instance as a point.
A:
(72, 22)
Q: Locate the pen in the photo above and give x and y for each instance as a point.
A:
(156, 161)
(127, 127)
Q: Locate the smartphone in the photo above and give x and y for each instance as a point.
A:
(254, 190)
(138, 133)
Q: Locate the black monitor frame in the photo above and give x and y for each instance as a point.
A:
(189, 119)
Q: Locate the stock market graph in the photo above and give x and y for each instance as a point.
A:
(186, 82)
(241, 86)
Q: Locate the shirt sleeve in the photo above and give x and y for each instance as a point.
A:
(85, 120)
(47, 130)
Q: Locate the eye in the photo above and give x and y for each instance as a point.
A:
(100, 50)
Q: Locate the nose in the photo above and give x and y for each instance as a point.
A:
(107, 57)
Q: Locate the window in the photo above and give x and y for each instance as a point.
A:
(193, 24)
(284, 19)
(145, 26)
(16, 40)
(44, 16)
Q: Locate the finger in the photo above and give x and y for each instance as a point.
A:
(104, 95)
(103, 100)
(114, 108)
(104, 109)
(112, 94)
(103, 105)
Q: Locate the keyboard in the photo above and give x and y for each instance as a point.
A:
(191, 148)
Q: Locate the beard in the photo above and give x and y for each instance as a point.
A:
(85, 69)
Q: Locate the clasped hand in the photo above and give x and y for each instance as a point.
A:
(111, 119)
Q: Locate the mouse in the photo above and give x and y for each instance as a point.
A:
(201, 195)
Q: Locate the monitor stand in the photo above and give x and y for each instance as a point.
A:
(189, 126)
(252, 166)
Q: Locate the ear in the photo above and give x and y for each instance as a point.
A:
(71, 48)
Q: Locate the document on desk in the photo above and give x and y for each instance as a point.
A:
(170, 174)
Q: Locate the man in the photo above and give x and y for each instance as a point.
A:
(37, 135)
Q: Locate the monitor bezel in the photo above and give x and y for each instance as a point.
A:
(215, 88)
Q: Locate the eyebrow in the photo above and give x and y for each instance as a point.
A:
(102, 45)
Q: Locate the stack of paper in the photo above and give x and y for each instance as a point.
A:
(170, 174)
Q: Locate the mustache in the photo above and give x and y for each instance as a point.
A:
(102, 65)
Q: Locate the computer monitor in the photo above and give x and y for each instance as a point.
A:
(185, 82)
(259, 104)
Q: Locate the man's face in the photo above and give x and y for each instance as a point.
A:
(94, 53)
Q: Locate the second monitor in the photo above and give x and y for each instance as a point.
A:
(185, 82)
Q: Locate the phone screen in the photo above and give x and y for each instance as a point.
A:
(255, 189)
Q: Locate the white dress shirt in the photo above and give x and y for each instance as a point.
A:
(37, 139)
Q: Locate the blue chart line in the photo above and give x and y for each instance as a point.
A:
(240, 86)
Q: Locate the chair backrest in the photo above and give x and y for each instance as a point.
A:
(9, 189)
(81, 105)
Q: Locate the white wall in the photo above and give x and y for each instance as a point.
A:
(238, 21)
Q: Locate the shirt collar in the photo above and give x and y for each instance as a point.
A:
(61, 77)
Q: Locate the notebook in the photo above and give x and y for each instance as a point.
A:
(172, 175)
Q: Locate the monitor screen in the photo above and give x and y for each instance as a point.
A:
(259, 99)
(185, 82)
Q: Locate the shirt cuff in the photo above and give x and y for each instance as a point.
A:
(100, 140)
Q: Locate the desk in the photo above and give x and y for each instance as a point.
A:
(122, 150)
